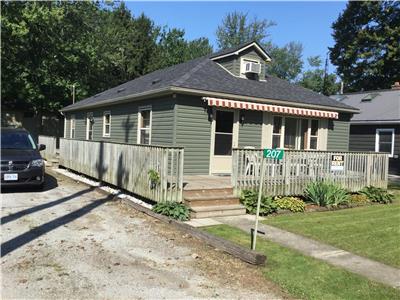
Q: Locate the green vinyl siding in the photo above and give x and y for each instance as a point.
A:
(193, 131)
(250, 130)
(124, 122)
(338, 134)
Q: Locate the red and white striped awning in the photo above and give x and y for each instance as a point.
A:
(271, 108)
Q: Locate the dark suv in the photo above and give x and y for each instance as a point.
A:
(21, 163)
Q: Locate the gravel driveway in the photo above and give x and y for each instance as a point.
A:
(71, 241)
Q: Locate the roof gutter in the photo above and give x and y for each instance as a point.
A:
(202, 93)
(366, 122)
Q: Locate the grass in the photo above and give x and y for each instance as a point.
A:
(372, 231)
(305, 277)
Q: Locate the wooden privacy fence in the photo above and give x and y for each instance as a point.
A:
(297, 169)
(128, 166)
(51, 146)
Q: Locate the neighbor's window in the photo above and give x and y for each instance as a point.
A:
(72, 127)
(106, 124)
(144, 128)
(89, 126)
(384, 141)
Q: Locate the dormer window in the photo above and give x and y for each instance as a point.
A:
(249, 68)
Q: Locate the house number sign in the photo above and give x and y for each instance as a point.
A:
(274, 153)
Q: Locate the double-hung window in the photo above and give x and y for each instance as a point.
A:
(144, 125)
(72, 127)
(89, 126)
(384, 140)
(106, 124)
(292, 133)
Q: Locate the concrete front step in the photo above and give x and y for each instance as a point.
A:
(198, 212)
(211, 200)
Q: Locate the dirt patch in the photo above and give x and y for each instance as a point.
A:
(73, 242)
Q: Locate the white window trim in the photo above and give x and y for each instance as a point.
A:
(72, 121)
(298, 133)
(104, 124)
(242, 59)
(139, 118)
(378, 130)
(88, 115)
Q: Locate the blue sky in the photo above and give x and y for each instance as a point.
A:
(305, 22)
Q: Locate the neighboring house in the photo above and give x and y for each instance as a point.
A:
(210, 105)
(377, 127)
(16, 113)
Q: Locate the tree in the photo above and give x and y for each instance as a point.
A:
(286, 61)
(49, 46)
(236, 28)
(367, 47)
(315, 79)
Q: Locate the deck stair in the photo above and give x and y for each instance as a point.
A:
(213, 202)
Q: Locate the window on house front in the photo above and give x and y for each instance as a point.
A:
(384, 141)
(277, 132)
(72, 127)
(292, 133)
(313, 134)
(144, 128)
(106, 124)
(89, 126)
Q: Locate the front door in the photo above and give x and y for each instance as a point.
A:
(224, 137)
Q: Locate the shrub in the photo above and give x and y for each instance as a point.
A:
(358, 199)
(174, 210)
(154, 178)
(249, 200)
(326, 194)
(377, 194)
(293, 204)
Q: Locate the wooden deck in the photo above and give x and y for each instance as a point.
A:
(206, 182)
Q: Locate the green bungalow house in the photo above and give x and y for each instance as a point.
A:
(210, 105)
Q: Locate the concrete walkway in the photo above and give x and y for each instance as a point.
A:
(366, 267)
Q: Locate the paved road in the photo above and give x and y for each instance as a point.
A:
(71, 241)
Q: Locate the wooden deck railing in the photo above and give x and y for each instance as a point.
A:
(297, 169)
(128, 166)
(51, 146)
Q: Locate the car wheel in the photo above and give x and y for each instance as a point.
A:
(40, 187)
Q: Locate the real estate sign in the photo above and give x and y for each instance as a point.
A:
(337, 163)
(274, 153)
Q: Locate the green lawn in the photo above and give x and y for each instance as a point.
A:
(370, 231)
(305, 277)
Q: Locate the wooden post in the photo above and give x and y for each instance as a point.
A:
(253, 246)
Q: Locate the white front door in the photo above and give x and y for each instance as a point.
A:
(224, 136)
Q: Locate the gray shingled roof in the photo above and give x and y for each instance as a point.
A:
(385, 106)
(206, 75)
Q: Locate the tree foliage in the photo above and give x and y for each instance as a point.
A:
(49, 46)
(236, 28)
(367, 47)
(315, 79)
(286, 61)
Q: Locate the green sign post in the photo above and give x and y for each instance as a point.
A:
(267, 153)
(274, 153)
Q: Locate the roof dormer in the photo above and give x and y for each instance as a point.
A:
(246, 60)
